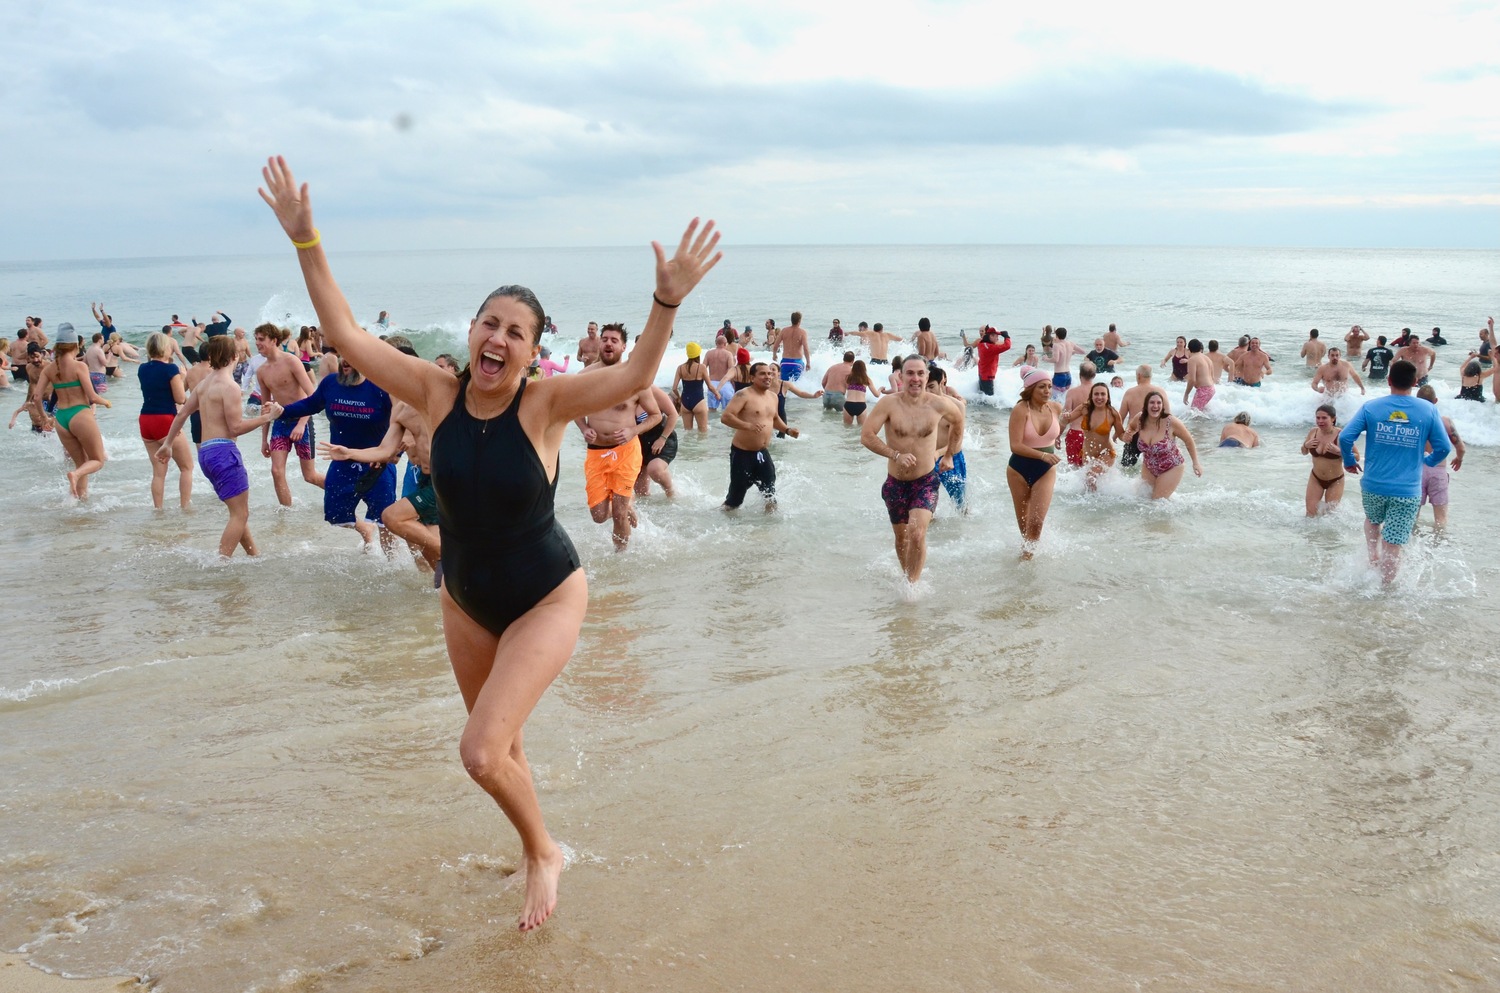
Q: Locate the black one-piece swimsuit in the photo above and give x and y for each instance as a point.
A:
(503, 550)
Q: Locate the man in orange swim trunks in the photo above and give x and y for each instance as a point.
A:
(614, 455)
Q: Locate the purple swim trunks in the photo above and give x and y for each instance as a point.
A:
(902, 496)
(219, 458)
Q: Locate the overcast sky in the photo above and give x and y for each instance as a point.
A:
(139, 130)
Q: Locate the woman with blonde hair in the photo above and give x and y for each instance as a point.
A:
(163, 392)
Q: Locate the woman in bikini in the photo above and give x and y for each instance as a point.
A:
(1101, 423)
(1028, 359)
(1325, 484)
(1035, 425)
(858, 392)
(688, 385)
(514, 595)
(1161, 459)
(76, 427)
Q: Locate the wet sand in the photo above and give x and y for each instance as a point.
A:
(18, 977)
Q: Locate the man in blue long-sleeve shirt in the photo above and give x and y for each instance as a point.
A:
(358, 414)
(1397, 429)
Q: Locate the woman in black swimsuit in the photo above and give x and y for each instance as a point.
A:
(513, 594)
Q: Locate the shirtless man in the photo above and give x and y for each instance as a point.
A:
(613, 460)
(1076, 397)
(17, 354)
(834, 381)
(791, 345)
(878, 340)
(1333, 376)
(217, 399)
(1113, 341)
(955, 480)
(1313, 350)
(1435, 478)
(1253, 366)
(192, 337)
(719, 364)
(588, 347)
(1132, 402)
(752, 415)
(927, 342)
(773, 335)
(36, 361)
(910, 419)
(1234, 356)
(1217, 360)
(282, 378)
(1200, 377)
(1061, 356)
(1420, 355)
(1354, 341)
(98, 362)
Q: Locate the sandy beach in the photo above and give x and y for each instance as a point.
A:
(18, 977)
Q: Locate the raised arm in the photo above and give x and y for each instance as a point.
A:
(403, 376)
(569, 397)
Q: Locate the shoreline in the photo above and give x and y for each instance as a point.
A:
(19, 976)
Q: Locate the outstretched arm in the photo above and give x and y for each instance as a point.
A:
(570, 397)
(404, 377)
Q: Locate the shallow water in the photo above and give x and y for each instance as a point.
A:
(1192, 745)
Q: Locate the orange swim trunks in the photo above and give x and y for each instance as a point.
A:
(609, 471)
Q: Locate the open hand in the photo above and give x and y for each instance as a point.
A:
(291, 204)
(675, 277)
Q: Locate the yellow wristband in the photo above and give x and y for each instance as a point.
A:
(317, 237)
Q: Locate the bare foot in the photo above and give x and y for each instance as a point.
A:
(542, 873)
(73, 484)
(634, 520)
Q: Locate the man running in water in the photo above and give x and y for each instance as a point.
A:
(1200, 377)
(588, 347)
(1333, 376)
(282, 378)
(1061, 356)
(879, 341)
(217, 400)
(613, 460)
(910, 420)
(791, 344)
(752, 415)
(1396, 430)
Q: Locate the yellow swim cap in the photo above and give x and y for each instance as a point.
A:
(694, 349)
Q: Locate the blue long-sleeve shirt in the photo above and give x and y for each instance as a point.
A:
(358, 416)
(1397, 428)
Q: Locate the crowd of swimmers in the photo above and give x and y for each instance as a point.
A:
(1054, 422)
(483, 444)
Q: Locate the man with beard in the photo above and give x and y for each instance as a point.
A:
(613, 460)
(359, 413)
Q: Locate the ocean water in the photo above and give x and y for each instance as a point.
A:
(1192, 745)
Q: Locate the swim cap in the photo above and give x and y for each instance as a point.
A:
(694, 349)
(1030, 377)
